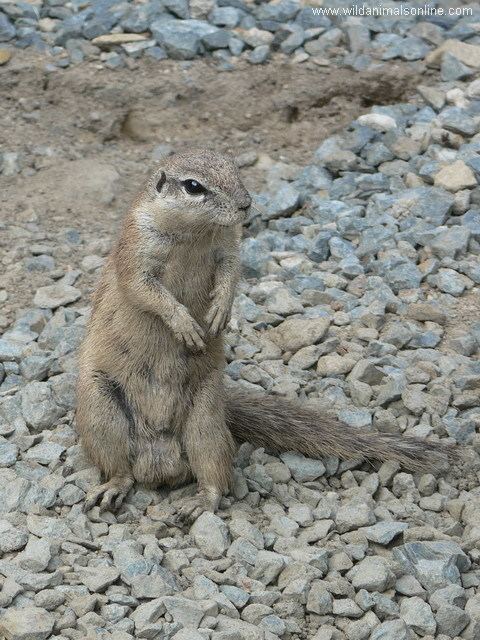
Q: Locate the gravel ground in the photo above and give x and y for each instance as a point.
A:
(360, 292)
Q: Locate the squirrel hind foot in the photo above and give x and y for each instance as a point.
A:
(192, 508)
(109, 496)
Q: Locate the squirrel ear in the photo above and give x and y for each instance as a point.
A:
(161, 182)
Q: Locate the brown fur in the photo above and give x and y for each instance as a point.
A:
(151, 403)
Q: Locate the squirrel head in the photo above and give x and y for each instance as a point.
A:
(197, 190)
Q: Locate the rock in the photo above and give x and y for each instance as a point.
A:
(377, 121)
(303, 469)
(449, 281)
(434, 564)
(10, 351)
(285, 201)
(114, 39)
(418, 616)
(45, 452)
(256, 37)
(11, 538)
(450, 242)
(391, 630)
(181, 39)
(258, 56)
(451, 620)
(36, 555)
(353, 516)
(5, 56)
(7, 30)
(320, 247)
(56, 295)
(27, 623)
(186, 613)
(384, 532)
(468, 54)
(268, 566)
(294, 333)
(453, 69)
(455, 176)
(319, 601)
(8, 453)
(432, 204)
(97, 579)
(372, 573)
(282, 301)
(334, 365)
(426, 312)
(92, 263)
(255, 255)
(39, 408)
(211, 535)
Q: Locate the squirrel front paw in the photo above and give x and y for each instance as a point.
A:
(218, 314)
(186, 330)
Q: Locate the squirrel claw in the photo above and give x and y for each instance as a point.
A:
(192, 335)
(217, 318)
(192, 508)
(111, 495)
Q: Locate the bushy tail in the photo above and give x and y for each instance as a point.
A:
(282, 425)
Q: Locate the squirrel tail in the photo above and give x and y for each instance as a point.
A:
(280, 425)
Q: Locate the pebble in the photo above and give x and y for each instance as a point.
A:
(26, 623)
(455, 177)
(210, 534)
(56, 295)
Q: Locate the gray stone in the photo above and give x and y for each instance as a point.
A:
(11, 538)
(320, 247)
(384, 532)
(372, 573)
(303, 469)
(210, 534)
(450, 281)
(36, 555)
(8, 453)
(128, 558)
(320, 600)
(228, 17)
(39, 408)
(451, 620)
(429, 203)
(268, 566)
(294, 333)
(391, 630)
(187, 613)
(285, 201)
(45, 452)
(453, 69)
(181, 39)
(10, 351)
(56, 295)
(418, 615)
(7, 30)
(27, 623)
(434, 564)
(353, 516)
(178, 7)
(97, 579)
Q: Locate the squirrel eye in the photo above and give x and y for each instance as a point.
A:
(193, 187)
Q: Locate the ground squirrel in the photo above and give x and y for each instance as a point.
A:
(152, 406)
